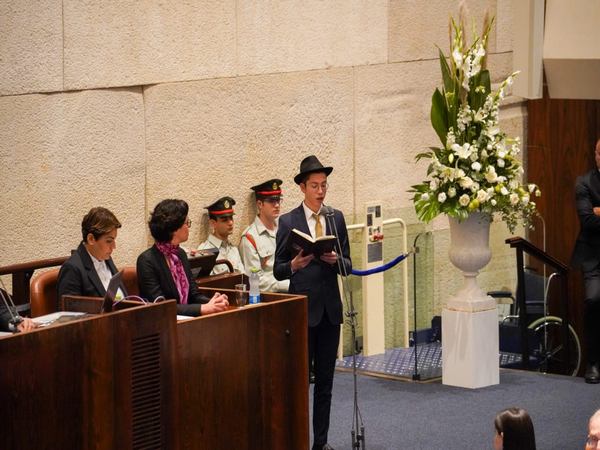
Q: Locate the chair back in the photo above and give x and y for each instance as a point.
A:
(44, 295)
(130, 280)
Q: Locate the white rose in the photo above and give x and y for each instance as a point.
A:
(465, 182)
(491, 176)
(493, 202)
(463, 200)
(525, 199)
(501, 154)
(482, 196)
(434, 184)
(514, 184)
(490, 191)
(476, 166)
(441, 197)
(504, 191)
(425, 197)
(514, 198)
(500, 163)
(451, 192)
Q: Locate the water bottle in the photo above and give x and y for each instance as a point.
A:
(254, 289)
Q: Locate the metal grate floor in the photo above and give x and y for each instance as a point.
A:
(400, 362)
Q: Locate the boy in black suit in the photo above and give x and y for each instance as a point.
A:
(317, 279)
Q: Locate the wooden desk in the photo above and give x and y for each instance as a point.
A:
(243, 376)
(103, 382)
(223, 281)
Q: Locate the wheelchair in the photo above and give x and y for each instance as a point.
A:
(545, 334)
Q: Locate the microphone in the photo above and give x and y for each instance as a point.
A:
(15, 320)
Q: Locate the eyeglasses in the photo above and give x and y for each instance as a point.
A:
(274, 200)
(592, 441)
(317, 186)
(188, 223)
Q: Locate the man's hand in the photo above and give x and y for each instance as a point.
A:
(329, 258)
(26, 325)
(218, 303)
(300, 261)
(597, 210)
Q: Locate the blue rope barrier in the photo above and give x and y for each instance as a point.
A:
(364, 273)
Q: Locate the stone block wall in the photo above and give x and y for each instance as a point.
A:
(122, 104)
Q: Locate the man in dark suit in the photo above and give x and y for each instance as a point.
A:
(586, 257)
(90, 267)
(317, 279)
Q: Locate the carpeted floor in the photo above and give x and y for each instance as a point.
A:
(405, 415)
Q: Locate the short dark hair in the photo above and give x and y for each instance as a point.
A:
(517, 427)
(307, 176)
(168, 216)
(99, 221)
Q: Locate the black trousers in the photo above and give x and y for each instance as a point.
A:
(591, 314)
(323, 343)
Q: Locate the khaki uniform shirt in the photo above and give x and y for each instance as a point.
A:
(255, 257)
(226, 251)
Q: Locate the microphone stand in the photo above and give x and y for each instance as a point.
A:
(358, 437)
(15, 320)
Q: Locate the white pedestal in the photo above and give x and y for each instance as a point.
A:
(470, 355)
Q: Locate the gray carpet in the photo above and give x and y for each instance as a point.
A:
(405, 415)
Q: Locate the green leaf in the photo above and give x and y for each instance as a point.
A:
(447, 76)
(423, 155)
(439, 116)
(478, 99)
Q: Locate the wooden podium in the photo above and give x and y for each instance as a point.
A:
(243, 376)
(102, 382)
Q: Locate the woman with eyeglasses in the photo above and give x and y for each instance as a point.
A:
(514, 430)
(164, 270)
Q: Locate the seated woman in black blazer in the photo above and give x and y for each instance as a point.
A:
(164, 270)
(89, 269)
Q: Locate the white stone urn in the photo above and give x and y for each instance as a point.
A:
(470, 252)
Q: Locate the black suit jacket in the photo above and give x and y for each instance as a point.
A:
(586, 254)
(77, 276)
(155, 279)
(4, 317)
(318, 280)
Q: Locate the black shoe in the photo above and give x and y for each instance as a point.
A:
(322, 447)
(311, 378)
(592, 374)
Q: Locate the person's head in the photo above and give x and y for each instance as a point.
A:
(220, 215)
(313, 181)
(514, 430)
(593, 432)
(597, 154)
(99, 231)
(268, 199)
(169, 222)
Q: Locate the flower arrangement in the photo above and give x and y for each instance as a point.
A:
(476, 168)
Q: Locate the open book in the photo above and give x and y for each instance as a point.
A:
(298, 240)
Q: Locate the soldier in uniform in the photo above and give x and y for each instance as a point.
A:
(257, 246)
(220, 215)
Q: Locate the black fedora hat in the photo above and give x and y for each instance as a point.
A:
(311, 164)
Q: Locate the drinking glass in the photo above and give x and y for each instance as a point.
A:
(241, 295)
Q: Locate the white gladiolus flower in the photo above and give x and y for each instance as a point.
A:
(452, 192)
(466, 182)
(482, 196)
(476, 166)
(441, 197)
(479, 116)
(504, 191)
(514, 198)
(425, 196)
(458, 57)
(463, 200)
(463, 151)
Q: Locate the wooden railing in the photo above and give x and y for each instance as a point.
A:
(22, 274)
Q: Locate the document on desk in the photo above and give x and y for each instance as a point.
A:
(48, 319)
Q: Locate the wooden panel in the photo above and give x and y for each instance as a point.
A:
(244, 376)
(562, 136)
(71, 385)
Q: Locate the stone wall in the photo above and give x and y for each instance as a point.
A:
(122, 104)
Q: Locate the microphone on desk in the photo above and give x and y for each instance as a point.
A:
(15, 320)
